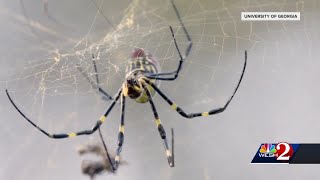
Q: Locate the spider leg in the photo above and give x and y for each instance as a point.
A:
(120, 135)
(161, 130)
(95, 85)
(106, 150)
(192, 115)
(97, 79)
(172, 147)
(73, 134)
(182, 58)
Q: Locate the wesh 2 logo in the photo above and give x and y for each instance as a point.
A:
(274, 153)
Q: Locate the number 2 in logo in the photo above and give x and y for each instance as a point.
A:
(285, 151)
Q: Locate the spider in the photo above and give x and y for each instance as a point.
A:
(141, 84)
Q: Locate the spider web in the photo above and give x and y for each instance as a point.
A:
(47, 77)
(62, 71)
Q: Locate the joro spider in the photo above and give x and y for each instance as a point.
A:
(141, 83)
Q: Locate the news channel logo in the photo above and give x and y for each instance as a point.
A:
(275, 153)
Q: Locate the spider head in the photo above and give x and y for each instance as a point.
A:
(132, 87)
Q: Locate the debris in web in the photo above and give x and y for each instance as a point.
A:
(96, 167)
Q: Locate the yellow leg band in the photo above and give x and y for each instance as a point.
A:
(158, 122)
(205, 114)
(121, 129)
(72, 134)
(174, 106)
(117, 158)
(102, 119)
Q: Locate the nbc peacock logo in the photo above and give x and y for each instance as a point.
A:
(268, 150)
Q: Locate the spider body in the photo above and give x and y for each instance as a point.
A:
(140, 65)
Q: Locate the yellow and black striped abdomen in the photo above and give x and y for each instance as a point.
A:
(142, 64)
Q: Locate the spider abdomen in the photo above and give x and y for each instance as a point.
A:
(144, 62)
